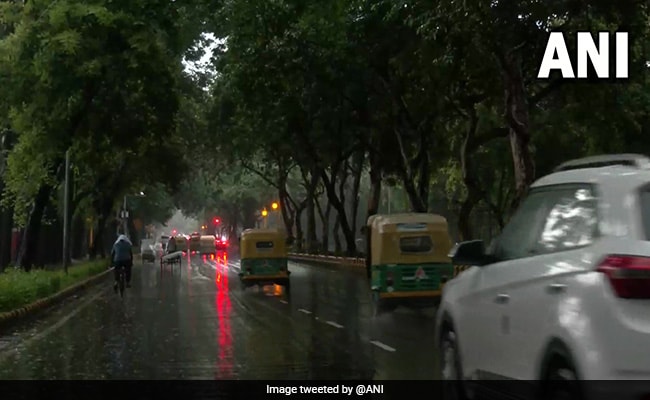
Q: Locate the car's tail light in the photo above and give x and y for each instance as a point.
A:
(389, 279)
(628, 275)
(211, 256)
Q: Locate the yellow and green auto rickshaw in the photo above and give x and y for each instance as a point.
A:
(407, 259)
(264, 258)
(177, 243)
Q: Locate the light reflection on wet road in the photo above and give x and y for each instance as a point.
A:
(195, 322)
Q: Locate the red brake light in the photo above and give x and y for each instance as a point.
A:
(628, 275)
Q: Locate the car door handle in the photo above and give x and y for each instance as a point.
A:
(556, 287)
(502, 298)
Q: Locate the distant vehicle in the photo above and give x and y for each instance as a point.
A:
(221, 243)
(159, 248)
(195, 242)
(177, 243)
(164, 239)
(207, 245)
(562, 294)
(147, 250)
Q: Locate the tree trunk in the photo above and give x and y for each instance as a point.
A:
(286, 208)
(299, 232)
(6, 233)
(416, 191)
(343, 180)
(375, 185)
(356, 186)
(464, 217)
(517, 118)
(340, 209)
(325, 219)
(30, 240)
(103, 208)
(312, 183)
(337, 238)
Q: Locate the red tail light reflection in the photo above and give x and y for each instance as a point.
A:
(224, 366)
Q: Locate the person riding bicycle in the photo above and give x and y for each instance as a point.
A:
(122, 256)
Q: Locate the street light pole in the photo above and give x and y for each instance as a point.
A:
(66, 211)
(125, 213)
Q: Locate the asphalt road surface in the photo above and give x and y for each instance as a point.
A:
(195, 322)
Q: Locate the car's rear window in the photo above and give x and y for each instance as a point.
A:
(264, 245)
(415, 244)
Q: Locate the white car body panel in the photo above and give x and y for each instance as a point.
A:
(559, 296)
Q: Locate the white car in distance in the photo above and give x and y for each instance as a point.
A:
(562, 295)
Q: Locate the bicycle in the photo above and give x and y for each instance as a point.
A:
(121, 282)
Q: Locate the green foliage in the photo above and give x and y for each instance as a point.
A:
(103, 79)
(19, 288)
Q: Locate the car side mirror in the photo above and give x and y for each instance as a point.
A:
(470, 253)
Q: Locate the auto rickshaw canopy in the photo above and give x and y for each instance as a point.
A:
(263, 243)
(207, 243)
(409, 238)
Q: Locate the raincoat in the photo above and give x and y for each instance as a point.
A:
(122, 249)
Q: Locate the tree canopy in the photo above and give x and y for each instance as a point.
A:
(319, 106)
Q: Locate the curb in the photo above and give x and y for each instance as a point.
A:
(10, 317)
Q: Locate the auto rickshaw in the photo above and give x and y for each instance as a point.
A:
(177, 243)
(194, 243)
(207, 247)
(264, 258)
(406, 259)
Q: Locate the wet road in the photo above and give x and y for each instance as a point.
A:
(196, 323)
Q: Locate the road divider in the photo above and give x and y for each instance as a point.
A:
(357, 262)
(327, 259)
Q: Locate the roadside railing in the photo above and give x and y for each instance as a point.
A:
(358, 262)
(327, 259)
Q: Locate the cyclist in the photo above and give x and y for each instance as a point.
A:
(122, 256)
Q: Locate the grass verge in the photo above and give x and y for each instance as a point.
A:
(19, 288)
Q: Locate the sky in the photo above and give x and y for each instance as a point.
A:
(203, 64)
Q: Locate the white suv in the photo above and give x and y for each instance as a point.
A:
(563, 294)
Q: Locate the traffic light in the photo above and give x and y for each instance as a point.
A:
(264, 213)
(274, 206)
(216, 221)
(173, 231)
